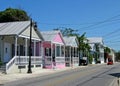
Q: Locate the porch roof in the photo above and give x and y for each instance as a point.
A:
(18, 28)
(71, 41)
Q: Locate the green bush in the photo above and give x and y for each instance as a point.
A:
(1, 63)
(90, 59)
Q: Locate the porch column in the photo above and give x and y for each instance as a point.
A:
(1, 50)
(39, 44)
(16, 39)
(42, 54)
(26, 47)
(64, 53)
(78, 55)
(51, 55)
(73, 56)
(60, 51)
(70, 55)
(34, 48)
(55, 54)
(55, 50)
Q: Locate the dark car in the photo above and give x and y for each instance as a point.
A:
(83, 62)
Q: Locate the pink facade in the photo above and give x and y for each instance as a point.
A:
(38, 49)
(50, 52)
(60, 65)
(58, 39)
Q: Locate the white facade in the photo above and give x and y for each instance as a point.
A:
(14, 46)
(97, 41)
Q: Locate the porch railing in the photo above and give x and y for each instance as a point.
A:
(25, 59)
(48, 60)
(19, 60)
(60, 59)
(10, 63)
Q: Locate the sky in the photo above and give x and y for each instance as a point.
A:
(98, 18)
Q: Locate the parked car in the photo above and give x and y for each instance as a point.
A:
(83, 62)
(110, 61)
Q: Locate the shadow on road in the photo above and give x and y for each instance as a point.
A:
(115, 74)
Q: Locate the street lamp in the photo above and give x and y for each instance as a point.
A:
(30, 49)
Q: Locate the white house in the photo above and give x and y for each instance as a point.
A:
(97, 47)
(71, 51)
(14, 46)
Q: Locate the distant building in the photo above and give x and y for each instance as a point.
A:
(97, 49)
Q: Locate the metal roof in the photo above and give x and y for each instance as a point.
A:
(19, 28)
(71, 41)
(13, 28)
(49, 35)
(95, 40)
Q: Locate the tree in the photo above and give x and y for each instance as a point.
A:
(117, 54)
(97, 53)
(10, 15)
(67, 31)
(84, 47)
(106, 52)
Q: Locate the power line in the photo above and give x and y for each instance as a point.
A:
(63, 24)
(108, 34)
(112, 42)
(87, 29)
(113, 37)
(101, 22)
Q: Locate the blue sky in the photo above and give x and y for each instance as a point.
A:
(76, 14)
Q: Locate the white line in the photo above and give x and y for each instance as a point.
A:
(113, 82)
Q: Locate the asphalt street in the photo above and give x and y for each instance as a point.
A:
(97, 75)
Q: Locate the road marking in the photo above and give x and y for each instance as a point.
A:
(113, 82)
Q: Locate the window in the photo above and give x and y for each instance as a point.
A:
(57, 50)
(47, 51)
(5, 50)
(62, 50)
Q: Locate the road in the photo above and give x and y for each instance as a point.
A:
(97, 75)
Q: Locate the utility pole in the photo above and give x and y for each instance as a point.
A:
(30, 50)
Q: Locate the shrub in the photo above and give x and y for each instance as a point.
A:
(1, 63)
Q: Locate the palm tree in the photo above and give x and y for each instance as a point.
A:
(83, 46)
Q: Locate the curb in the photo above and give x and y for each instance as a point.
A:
(114, 83)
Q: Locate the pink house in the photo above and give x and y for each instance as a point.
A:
(53, 49)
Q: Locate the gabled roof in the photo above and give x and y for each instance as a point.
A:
(71, 41)
(19, 28)
(95, 40)
(50, 35)
(13, 28)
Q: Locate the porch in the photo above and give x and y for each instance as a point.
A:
(54, 55)
(15, 52)
(15, 44)
(71, 56)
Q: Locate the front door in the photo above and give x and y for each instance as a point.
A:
(7, 52)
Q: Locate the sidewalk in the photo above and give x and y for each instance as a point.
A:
(4, 78)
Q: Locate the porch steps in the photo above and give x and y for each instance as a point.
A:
(3, 68)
